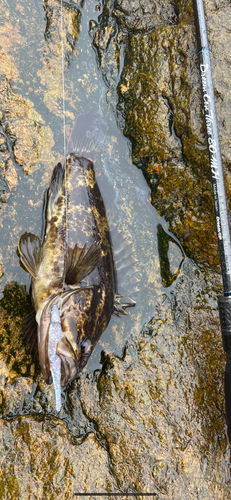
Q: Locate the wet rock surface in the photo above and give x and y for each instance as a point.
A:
(38, 460)
(157, 98)
(152, 419)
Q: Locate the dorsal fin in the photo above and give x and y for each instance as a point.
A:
(30, 248)
(54, 190)
(44, 212)
(81, 262)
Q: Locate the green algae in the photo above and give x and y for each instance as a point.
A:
(13, 307)
(167, 120)
(160, 109)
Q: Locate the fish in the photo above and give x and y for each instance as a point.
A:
(72, 265)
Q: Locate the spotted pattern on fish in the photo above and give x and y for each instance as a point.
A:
(80, 242)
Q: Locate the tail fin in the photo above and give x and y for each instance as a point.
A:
(87, 136)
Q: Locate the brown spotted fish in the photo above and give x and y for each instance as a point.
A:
(72, 265)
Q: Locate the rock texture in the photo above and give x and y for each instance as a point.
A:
(159, 108)
(152, 419)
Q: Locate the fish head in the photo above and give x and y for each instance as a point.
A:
(77, 342)
(76, 306)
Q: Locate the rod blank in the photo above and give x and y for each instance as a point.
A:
(219, 194)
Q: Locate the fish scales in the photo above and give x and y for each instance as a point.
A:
(72, 266)
(87, 221)
(88, 309)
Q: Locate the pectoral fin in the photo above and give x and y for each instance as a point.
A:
(29, 330)
(81, 262)
(29, 248)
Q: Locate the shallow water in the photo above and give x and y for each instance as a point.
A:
(126, 195)
(150, 409)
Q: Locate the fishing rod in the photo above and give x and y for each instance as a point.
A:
(219, 194)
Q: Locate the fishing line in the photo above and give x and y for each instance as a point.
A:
(64, 149)
(55, 329)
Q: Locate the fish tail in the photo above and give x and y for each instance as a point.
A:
(87, 136)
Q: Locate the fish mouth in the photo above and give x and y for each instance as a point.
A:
(69, 361)
(67, 348)
(72, 358)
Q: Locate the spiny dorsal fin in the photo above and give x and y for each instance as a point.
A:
(29, 248)
(81, 262)
(54, 189)
(44, 214)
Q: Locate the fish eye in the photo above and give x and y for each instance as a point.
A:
(85, 346)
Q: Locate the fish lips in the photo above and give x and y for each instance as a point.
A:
(71, 365)
(73, 357)
(69, 361)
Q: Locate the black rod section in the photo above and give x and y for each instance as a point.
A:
(219, 194)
